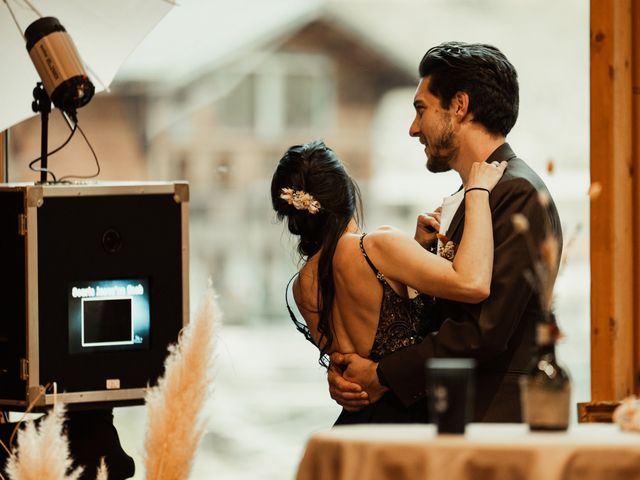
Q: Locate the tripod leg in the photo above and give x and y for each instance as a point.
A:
(92, 436)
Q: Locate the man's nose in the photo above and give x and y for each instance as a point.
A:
(414, 131)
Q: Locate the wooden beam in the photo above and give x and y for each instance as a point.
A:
(635, 135)
(613, 222)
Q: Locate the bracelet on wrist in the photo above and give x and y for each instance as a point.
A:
(476, 188)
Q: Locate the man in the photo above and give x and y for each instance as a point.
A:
(466, 103)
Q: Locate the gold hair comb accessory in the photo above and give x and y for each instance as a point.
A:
(301, 200)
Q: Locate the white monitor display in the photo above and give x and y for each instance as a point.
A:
(108, 315)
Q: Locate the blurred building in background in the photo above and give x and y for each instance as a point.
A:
(225, 129)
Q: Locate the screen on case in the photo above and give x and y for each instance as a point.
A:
(109, 315)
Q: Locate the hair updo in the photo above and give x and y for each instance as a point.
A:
(313, 168)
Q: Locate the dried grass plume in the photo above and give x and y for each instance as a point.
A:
(43, 451)
(520, 223)
(595, 189)
(103, 473)
(627, 414)
(545, 255)
(175, 422)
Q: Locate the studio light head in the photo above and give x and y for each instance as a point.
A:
(58, 63)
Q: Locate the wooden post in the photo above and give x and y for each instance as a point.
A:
(635, 135)
(614, 213)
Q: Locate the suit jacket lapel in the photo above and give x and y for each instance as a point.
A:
(503, 152)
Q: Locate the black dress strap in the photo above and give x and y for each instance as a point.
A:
(301, 327)
(379, 275)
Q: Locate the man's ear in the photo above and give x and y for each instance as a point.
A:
(460, 105)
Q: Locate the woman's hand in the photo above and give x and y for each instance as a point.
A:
(485, 175)
(427, 227)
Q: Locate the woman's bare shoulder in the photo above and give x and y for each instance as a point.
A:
(384, 229)
(347, 246)
(382, 236)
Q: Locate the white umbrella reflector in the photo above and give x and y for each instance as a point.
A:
(105, 33)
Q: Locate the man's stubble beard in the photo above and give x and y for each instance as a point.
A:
(444, 150)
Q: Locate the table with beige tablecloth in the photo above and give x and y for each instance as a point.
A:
(485, 451)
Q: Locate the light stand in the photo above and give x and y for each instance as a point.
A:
(42, 104)
(64, 80)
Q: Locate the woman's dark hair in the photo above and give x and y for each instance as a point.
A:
(484, 73)
(315, 169)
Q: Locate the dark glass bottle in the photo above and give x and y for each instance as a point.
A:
(545, 389)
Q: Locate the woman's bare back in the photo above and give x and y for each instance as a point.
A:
(357, 302)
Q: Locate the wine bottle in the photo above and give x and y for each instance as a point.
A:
(545, 389)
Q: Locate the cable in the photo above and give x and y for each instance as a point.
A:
(94, 156)
(73, 131)
(35, 10)
(74, 127)
(33, 403)
(31, 167)
(14, 18)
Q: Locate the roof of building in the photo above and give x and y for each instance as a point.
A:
(193, 39)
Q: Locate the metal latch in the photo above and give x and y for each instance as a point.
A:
(24, 369)
(22, 224)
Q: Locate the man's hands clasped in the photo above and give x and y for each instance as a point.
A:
(353, 381)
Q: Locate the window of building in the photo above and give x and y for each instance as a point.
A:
(237, 108)
(282, 93)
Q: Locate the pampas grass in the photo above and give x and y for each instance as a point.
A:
(175, 423)
(103, 474)
(43, 451)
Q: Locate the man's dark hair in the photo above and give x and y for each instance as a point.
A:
(483, 72)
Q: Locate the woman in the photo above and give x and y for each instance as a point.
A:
(352, 287)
